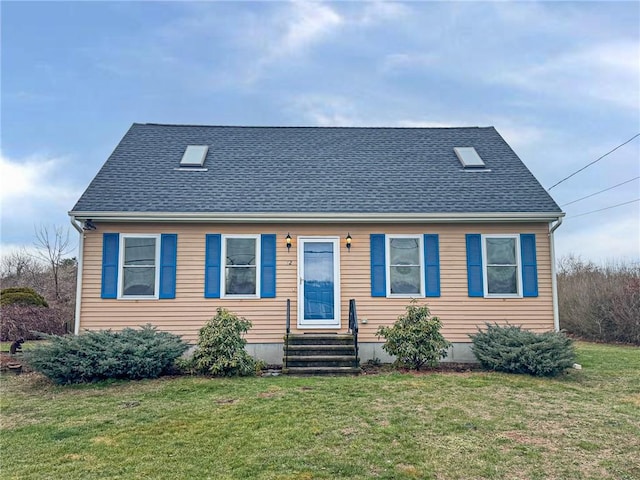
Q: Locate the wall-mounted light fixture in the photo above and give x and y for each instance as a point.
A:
(88, 225)
(348, 241)
(288, 242)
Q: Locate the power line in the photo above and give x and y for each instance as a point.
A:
(601, 191)
(606, 208)
(596, 160)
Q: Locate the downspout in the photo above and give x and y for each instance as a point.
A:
(78, 227)
(554, 281)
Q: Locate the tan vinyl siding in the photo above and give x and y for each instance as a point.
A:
(185, 314)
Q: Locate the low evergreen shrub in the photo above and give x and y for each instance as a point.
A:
(99, 355)
(220, 350)
(514, 350)
(415, 339)
(22, 296)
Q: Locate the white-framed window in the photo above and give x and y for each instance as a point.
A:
(502, 272)
(240, 266)
(405, 266)
(138, 263)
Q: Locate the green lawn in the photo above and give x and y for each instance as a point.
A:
(583, 425)
(5, 346)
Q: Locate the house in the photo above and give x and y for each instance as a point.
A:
(183, 219)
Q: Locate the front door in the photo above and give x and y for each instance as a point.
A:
(319, 282)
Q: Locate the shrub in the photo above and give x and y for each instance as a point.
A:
(600, 303)
(415, 338)
(220, 350)
(21, 296)
(514, 350)
(99, 355)
(29, 321)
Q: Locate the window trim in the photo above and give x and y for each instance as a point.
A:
(223, 265)
(387, 253)
(121, 248)
(485, 266)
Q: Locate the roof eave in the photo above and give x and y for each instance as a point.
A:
(314, 217)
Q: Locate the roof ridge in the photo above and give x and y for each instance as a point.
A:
(308, 127)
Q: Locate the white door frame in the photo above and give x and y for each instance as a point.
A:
(324, 323)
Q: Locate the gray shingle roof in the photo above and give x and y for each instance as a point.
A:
(313, 169)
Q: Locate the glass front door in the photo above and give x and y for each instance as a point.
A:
(319, 283)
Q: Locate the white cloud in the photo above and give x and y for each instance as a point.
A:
(381, 11)
(8, 249)
(307, 23)
(34, 191)
(602, 237)
(20, 179)
(31, 180)
(606, 72)
(289, 33)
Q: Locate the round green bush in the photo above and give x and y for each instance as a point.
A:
(415, 339)
(22, 296)
(220, 350)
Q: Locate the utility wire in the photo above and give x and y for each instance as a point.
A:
(596, 160)
(601, 191)
(606, 208)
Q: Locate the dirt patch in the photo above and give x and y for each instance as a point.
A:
(269, 394)
(103, 440)
(408, 470)
(13, 363)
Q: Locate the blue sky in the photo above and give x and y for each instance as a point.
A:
(559, 80)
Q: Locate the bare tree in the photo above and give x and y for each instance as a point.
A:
(19, 268)
(52, 245)
(16, 264)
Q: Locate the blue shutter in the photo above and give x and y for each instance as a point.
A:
(378, 267)
(168, 253)
(110, 247)
(213, 244)
(268, 266)
(431, 265)
(474, 265)
(529, 265)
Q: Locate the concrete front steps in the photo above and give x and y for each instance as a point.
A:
(320, 354)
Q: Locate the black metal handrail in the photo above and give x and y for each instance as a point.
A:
(288, 330)
(353, 328)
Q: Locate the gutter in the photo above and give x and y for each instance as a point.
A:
(313, 217)
(78, 227)
(554, 280)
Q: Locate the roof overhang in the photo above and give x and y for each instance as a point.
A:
(314, 217)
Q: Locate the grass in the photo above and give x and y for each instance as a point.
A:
(5, 346)
(583, 425)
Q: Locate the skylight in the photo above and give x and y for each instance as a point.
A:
(194, 156)
(468, 157)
